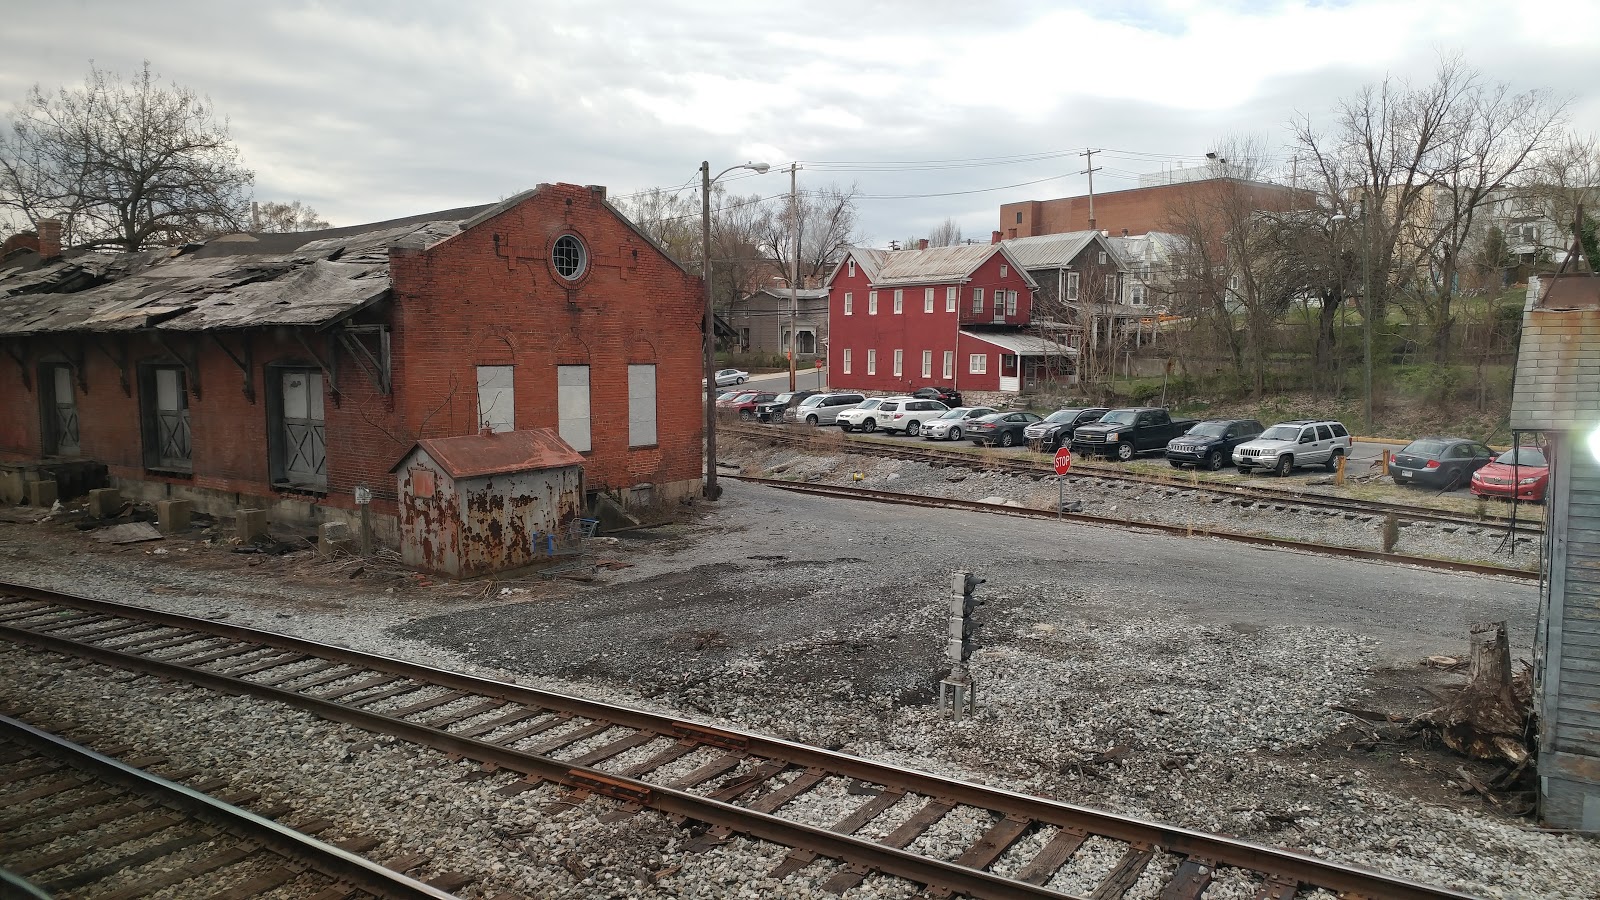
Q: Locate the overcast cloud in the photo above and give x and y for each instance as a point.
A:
(368, 111)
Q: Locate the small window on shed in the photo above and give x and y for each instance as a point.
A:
(642, 405)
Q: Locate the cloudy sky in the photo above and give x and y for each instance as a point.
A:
(374, 110)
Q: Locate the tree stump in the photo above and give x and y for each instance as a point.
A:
(1489, 717)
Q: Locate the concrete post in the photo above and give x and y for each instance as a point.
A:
(172, 516)
(334, 538)
(42, 493)
(12, 488)
(250, 524)
(104, 503)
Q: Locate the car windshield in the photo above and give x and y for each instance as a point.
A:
(1063, 415)
(1426, 447)
(1281, 433)
(1118, 417)
(813, 400)
(957, 413)
(1522, 456)
(785, 397)
(869, 404)
(1209, 429)
(745, 398)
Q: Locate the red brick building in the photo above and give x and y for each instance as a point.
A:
(1134, 211)
(955, 316)
(285, 370)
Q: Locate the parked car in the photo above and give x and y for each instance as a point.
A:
(1126, 433)
(908, 414)
(948, 427)
(824, 409)
(1004, 428)
(863, 416)
(1211, 443)
(725, 396)
(1058, 427)
(1441, 462)
(1287, 446)
(745, 404)
(730, 376)
(1522, 472)
(778, 407)
(949, 396)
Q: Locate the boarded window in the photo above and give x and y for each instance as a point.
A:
(496, 399)
(641, 405)
(572, 390)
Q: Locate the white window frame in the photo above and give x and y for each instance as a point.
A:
(949, 364)
(847, 360)
(952, 296)
(1102, 257)
(978, 364)
(872, 362)
(1011, 303)
(1004, 270)
(977, 301)
(872, 303)
(852, 267)
(899, 301)
(927, 364)
(642, 405)
(497, 392)
(1072, 285)
(849, 303)
(899, 355)
(927, 300)
(573, 405)
(1136, 295)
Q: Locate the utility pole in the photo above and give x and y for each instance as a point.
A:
(794, 276)
(1092, 168)
(1367, 306)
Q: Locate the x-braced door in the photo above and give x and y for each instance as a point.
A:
(305, 451)
(61, 412)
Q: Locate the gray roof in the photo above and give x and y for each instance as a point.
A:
(1558, 366)
(1054, 251)
(890, 268)
(240, 281)
(1021, 343)
(800, 293)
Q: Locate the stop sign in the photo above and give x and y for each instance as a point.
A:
(1063, 461)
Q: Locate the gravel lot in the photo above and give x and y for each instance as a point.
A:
(1185, 680)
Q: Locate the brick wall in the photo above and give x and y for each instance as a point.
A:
(1139, 210)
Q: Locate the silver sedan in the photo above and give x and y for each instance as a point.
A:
(950, 426)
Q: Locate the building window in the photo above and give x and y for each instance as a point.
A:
(59, 409)
(570, 257)
(927, 364)
(744, 339)
(1136, 295)
(572, 402)
(1072, 285)
(899, 301)
(164, 400)
(297, 436)
(872, 362)
(951, 296)
(927, 300)
(1019, 218)
(849, 303)
(1102, 257)
(642, 405)
(978, 364)
(1004, 270)
(949, 364)
(872, 303)
(847, 361)
(496, 399)
(977, 301)
(1011, 303)
(897, 358)
(852, 267)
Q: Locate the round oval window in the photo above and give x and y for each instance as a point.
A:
(569, 257)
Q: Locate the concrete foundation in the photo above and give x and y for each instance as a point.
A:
(104, 503)
(289, 510)
(41, 493)
(172, 516)
(250, 524)
(334, 538)
(13, 489)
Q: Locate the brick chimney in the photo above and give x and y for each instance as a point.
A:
(994, 238)
(49, 239)
(922, 243)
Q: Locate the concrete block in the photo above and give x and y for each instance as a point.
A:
(172, 516)
(12, 488)
(42, 494)
(250, 524)
(104, 502)
(334, 538)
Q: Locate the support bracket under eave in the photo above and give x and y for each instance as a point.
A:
(190, 361)
(244, 359)
(326, 365)
(120, 360)
(22, 362)
(374, 361)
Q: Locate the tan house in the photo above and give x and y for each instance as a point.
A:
(763, 320)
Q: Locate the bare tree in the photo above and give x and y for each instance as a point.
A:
(1565, 177)
(285, 217)
(827, 228)
(123, 164)
(945, 234)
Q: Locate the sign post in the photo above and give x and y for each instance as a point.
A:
(1063, 466)
(364, 500)
(819, 373)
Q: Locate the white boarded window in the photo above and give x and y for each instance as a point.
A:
(899, 301)
(495, 399)
(898, 355)
(572, 393)
(641, 405)
(872, 362)
(849, 303)
(977, 300)
(872, 303)
(927, 364)
(847, 361)
(978, 363)
(951, 296)
(927, 300)
(949, 364)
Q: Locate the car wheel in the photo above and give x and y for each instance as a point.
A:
(745, 415)
(1454, 482)
(846, 426)
(913, 428)
(955, 433)
(1333, 461)
(869, 426)
(1243, 470)
(738, 381)
(977, 443)
(812, 421)
(1007, 439)
(1285, 466)
(1214, 460)
(1124, 451)
(1175, 464)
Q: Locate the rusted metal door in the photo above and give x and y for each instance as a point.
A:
(305, 457)
(61, 412)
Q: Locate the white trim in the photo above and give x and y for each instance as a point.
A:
(949, 364)
(927, 364)
(899, 356)
(977, 301)
(927, 300)
(872, 303)
(952, 296)
(849, 303)
(899, 300)
(846, 360)
(872, 362)
(977, 364)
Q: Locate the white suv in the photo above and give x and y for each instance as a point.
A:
(864, 416)
(909, 414)
(1290, 445)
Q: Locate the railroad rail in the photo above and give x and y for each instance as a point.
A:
(734, 781)
(1033, 466)
(79, 823)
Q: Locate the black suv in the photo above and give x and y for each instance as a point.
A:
(949, 396)
(775, 409)
(1210, 443)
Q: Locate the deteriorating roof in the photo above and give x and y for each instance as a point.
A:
(889, 268)
(799, 293)
(1020, 343)
(238, 281)
(1558, 365)
(1054, 251)
(481, 455)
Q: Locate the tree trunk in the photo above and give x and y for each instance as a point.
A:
(1489, 717)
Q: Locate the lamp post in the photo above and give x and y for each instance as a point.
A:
(712, 489)
(1366, 311)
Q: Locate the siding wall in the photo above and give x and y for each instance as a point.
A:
(1569, 761)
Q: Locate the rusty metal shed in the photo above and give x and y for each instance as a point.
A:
(488, 502)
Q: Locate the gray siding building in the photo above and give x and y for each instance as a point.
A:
(762, 321)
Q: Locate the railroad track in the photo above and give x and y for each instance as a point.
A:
(1034, 467)
(78, 824)
(732, 781)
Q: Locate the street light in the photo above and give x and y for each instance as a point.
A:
(712, 489)
(1366, 310)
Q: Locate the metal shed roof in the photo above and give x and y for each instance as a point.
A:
(480, 455)
(1021, 344)
(1053, 251)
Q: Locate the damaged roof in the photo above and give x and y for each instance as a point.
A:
(481, 455)
(935, 264)
(237, 281)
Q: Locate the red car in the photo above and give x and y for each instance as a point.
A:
(1522, 471)
(746, 402)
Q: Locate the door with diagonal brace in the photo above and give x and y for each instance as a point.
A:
(305, 456)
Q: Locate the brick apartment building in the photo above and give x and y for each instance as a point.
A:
(1134, 211)
(283, 371)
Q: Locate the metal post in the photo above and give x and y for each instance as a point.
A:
(1061, 494)
(1369, 306)
(794, 275)
(712, 489)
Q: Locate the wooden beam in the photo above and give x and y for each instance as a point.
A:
(22, 362)
(120, 361)
(246, 364)
(191, 362)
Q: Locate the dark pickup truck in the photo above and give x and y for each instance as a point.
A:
(1128, 432)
